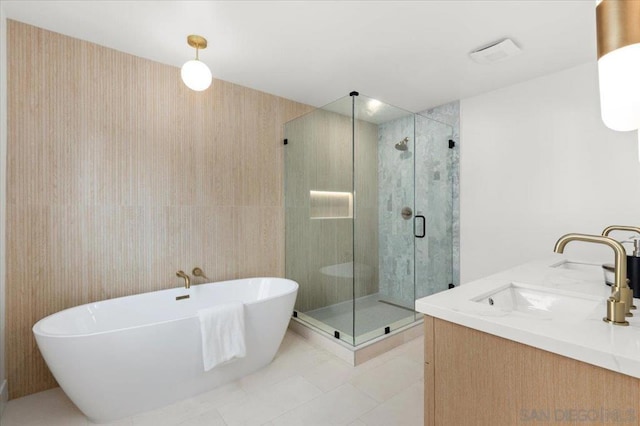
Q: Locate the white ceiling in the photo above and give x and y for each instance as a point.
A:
(413, 54)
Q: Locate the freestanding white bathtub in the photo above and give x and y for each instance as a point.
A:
(123, 356)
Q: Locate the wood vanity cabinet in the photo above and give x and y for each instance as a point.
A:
(475, 378)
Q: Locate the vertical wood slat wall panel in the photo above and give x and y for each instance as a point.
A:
(118, 176)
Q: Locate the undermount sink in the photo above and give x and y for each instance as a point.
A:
(540, 302)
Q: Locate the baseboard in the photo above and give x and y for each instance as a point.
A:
(4, 396)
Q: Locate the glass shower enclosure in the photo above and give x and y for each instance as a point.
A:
(362, 240)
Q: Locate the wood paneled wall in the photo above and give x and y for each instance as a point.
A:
(118, 176)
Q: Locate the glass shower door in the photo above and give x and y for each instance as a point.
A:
(384, 155)
(434, 201)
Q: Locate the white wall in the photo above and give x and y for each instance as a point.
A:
(536, 163)
(3, 197)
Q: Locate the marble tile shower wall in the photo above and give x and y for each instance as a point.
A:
(436, 197)
(395, 191)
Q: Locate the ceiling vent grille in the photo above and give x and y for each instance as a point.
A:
(495, 52)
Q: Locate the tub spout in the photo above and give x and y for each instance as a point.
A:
(187, 280)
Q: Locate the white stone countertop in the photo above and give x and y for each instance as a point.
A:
(584, 337)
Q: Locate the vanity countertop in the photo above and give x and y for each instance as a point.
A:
(586, 338)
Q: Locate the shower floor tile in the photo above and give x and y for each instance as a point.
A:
(293, 390)
(371, 314)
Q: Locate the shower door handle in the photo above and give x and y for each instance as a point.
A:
(424, 226)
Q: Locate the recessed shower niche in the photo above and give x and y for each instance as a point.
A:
(330, 204)
(361, 240)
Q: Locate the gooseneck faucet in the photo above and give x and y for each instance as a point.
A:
(187, 280)
(617, 304)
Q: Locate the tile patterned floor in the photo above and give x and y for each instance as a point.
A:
(303, 385)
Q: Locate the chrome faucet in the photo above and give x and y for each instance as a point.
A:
(618, 304)
(187, 280)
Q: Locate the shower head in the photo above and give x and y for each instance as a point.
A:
(402, 145)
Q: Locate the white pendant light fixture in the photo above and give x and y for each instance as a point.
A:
(196, 74)
(618, 28)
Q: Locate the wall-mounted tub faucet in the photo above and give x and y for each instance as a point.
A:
(618, 304)
(198, 272)
(187, 280)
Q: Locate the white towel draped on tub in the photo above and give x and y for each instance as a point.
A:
(222, 329)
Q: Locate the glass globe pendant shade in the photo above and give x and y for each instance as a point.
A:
(196, 75)
(619, 80)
